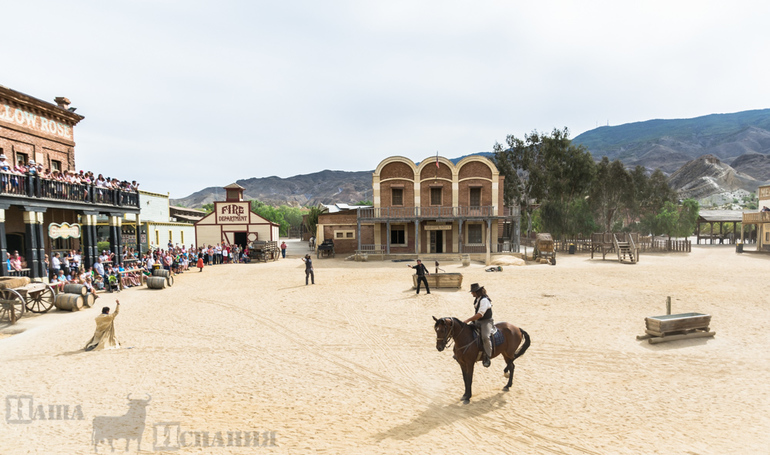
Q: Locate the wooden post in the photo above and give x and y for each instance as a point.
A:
(668, 305)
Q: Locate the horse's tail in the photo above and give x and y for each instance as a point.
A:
(524, 346)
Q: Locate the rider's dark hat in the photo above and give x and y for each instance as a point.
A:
(475, 287)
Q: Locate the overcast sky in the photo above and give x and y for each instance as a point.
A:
(182, 95)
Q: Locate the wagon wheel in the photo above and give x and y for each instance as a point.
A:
(11, 300)
(40, 301)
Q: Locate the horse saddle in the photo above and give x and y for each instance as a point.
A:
(497, 338)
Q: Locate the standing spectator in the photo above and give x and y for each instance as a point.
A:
(55, 265)
(283, 249)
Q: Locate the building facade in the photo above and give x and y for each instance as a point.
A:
(156, 228)
(234, 223)
(438, 207)
(760, 220)
(38, 216)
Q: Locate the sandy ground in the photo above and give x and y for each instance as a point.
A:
(349, 365)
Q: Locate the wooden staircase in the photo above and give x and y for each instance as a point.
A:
(627, 251)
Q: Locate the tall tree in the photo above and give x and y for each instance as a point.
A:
(544, 169)
(610, 192)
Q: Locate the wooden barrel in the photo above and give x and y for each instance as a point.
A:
(69, 302)
(88, 300)
(156, 282)
(169, 281)
(75, 289)
(161, 272)
(466, 260)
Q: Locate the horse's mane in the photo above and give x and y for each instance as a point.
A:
(461, 323)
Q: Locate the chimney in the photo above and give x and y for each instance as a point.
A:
(62, 102)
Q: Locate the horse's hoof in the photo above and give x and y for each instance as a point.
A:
(506, 389)
(465, 398)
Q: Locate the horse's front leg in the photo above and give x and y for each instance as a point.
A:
(468, 379)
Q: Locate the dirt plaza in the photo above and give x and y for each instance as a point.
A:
(248, 355)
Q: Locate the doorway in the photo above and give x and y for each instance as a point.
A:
(436, 241)
(241, 238)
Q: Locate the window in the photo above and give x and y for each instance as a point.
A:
(475, 200)
(339, 235)
(435, 196)
(474, 234)
(55, 165)
(398, 235)
(397, 196)
(22, 158)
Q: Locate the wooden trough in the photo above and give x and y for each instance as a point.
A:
(673, 327)
(441, 280)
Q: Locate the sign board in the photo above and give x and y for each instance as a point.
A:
(438, 227)
(764, 192)
(233, 212)
(63, 231)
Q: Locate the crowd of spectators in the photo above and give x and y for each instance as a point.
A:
(105, 274)
(8, 171)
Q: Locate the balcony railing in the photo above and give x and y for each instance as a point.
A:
(436, 213)
(32, 186)
(758, 217)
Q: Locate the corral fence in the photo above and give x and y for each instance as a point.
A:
(646, 243)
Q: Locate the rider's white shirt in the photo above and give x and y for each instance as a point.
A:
(484, 305)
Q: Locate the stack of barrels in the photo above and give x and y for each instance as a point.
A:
(73, 298)
(160, 279)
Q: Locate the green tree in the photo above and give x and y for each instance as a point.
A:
(547, 169)
(610, 192)
(208, 208)
(312, 219)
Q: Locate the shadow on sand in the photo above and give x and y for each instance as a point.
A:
(438, 415)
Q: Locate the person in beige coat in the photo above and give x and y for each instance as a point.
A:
(104, 336)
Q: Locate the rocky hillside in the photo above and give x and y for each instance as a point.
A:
(706, 176)
(669, 144)
(323, 187)
(694, 152)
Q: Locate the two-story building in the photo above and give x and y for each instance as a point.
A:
(437, 207)
(40, 216)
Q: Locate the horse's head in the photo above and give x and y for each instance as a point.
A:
(443, 328)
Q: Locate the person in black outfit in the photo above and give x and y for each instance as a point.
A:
(308, 269)
(421, 271)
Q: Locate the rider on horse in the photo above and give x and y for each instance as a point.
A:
(483, 320)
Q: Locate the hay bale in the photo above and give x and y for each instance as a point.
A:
(13, 282)
(508, 260)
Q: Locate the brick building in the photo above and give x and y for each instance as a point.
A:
(434, 207)
(40, 216)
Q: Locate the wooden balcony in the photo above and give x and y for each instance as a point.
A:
(756, 218)
(435, 213)
(33, 189)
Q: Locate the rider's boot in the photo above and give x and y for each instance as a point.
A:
(485, 360)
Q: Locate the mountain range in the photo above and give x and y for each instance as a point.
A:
(703, 156)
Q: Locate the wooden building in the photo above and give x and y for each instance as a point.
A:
(233, 222)
(41, 216)
(438, 207)
(759, 220)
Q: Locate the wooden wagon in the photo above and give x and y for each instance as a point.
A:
(261, 250)
(325, 249)
(544, 248)
(19, 294)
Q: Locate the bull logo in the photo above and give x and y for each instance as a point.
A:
(128, 426)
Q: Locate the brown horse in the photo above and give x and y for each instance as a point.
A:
(467, 347)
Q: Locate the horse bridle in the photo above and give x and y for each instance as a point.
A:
(448, 335)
